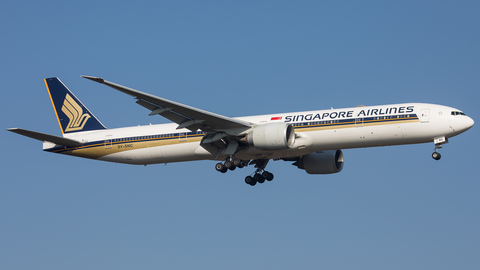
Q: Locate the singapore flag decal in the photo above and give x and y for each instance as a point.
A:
(276, 118)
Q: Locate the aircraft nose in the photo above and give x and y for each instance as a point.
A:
(469, 123)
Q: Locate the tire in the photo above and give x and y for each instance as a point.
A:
(249, 180)
(268, 176)
(436, 155)
(237, 162)
(219, 167)
(230, 165)
(259, 178)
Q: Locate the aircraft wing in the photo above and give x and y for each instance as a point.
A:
(45, 137)
(185, 116)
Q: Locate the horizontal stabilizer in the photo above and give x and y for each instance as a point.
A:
(45, 137)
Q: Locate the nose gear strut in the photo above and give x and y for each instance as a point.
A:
(438, 144)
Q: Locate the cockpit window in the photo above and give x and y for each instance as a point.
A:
(457, 113)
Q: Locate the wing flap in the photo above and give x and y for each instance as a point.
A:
(163, 111)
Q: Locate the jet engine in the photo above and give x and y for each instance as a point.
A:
(272, 136)
(322, 162)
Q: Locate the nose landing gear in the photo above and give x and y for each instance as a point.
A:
(438, 144)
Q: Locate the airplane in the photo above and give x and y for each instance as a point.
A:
(312, 140)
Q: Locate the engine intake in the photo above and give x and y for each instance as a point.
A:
(272, 136)
(324, 162)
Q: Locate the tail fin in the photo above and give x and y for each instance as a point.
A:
(72, 115)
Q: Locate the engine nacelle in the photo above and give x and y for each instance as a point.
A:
(323, 162)
(272, 136)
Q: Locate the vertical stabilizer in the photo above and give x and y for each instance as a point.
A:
(71, 114)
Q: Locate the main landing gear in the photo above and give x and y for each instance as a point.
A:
(230, 164)
(259, 176)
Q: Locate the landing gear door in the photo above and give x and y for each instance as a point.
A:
(425, 116)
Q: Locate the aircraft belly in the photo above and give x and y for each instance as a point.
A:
(175, 153)
(371, 136)
(134, 156)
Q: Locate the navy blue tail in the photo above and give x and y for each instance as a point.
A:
(72, 115)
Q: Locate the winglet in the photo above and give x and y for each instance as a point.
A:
(95, 79)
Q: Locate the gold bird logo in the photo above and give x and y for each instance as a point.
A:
(74, 112)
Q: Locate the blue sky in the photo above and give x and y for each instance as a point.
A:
(390, 207)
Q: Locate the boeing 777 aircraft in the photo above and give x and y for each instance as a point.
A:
(311, 139)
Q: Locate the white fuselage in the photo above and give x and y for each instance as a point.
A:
(315, 131)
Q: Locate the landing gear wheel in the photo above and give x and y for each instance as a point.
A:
(249, 180)
(230, 165)
(221, 168)
(259, 178)
(267, 175)
(237, 162)
(436, 155)
(242, 164)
